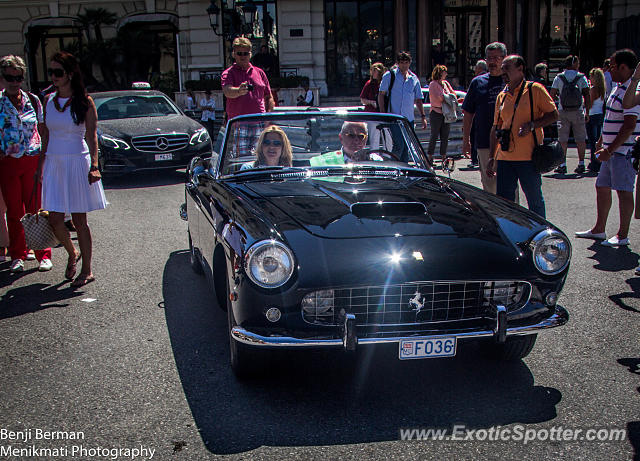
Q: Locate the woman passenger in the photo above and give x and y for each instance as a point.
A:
(273, 149)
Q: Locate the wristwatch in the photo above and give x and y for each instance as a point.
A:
(94, 168)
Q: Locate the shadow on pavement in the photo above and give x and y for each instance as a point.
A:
(613, 259)
(619, 299)
(328, 398)
(142, 179)
(35, 297)
(633, 433)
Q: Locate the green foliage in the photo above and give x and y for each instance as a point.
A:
(201, 85)
(166, 82)
(291, 81)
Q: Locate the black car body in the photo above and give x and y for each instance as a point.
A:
(376, 251)
(144, 130)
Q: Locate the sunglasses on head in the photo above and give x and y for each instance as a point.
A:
(55, 72)
(268, 142)
(242, 53)
(13, 78)
(360, 136)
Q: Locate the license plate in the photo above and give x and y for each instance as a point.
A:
(422, 348)
(160, 157)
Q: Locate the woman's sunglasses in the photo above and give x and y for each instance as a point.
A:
(13, 78)
(242, 53)
(58, 73)
(268, 142)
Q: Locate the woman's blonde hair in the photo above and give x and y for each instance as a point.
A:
(597, 78)
(13, 61)
(286, 157)
(379, 67)
(437, 72)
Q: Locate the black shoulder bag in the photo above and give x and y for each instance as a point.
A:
(548, 155)
(387, 96)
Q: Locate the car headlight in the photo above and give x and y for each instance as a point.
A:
(113, 143)
(551, 252)
(269, 263)
(199, 136)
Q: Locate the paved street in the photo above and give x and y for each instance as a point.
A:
(139, 358)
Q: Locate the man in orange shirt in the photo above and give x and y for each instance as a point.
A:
(511, 136)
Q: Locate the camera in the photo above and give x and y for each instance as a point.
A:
(504, 138)
(250, 86)
(635, 152)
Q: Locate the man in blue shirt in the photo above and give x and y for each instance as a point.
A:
(404, 92)
(479, 107)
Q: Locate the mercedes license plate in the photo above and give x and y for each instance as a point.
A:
(422, 348)
(160, 157)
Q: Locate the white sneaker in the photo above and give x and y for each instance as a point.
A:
(615, 242)
(590, 235)
(17, 266)
(45, 265)
(31, 256)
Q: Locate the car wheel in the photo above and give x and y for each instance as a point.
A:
(194, 261)
(246, 362)
(515, 348)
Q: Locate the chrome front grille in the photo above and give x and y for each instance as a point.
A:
(159, 143)
(414, 303)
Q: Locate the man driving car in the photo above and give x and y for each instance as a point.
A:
(353, 137)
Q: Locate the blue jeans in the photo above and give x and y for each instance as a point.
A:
(594, 128)
(530, 180)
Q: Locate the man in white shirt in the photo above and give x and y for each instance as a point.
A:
(614, 151)
(208, 107)
(573, 112)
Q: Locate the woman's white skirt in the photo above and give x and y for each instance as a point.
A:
(65, 185)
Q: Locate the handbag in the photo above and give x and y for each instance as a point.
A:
(38, 233)
(548, 155)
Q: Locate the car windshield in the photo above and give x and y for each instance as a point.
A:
(119, 107)
(320, 140)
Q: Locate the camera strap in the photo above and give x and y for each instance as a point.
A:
(515, 106)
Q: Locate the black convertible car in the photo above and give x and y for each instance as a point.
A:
(145, 130)
(333, 247)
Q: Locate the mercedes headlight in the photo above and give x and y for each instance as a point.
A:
(113, 143)
(551, 252)
(269, 263)
(199, 136)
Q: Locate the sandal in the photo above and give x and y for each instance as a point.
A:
(70, 272)
(82, 279)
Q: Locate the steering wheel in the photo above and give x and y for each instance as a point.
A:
(385, 154)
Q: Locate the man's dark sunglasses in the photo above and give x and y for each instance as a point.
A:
(242, 53)
(59, 73)
(268, 142)
(13, 78)
(360, 136)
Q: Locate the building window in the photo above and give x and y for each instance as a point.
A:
(358, 34)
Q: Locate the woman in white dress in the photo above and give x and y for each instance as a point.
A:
(70, 176)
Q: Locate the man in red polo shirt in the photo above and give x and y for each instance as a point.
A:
(245, 85)
(247, 90)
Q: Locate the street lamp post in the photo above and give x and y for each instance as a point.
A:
(240, 18)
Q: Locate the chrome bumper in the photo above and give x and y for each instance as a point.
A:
(559, 318)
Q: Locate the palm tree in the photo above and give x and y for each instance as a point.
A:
(96, 18)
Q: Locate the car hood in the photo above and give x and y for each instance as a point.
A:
(140, 126)
(392, 207)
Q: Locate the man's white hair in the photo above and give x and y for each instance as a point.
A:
(348, 123)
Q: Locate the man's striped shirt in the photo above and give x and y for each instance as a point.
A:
(615, 117)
